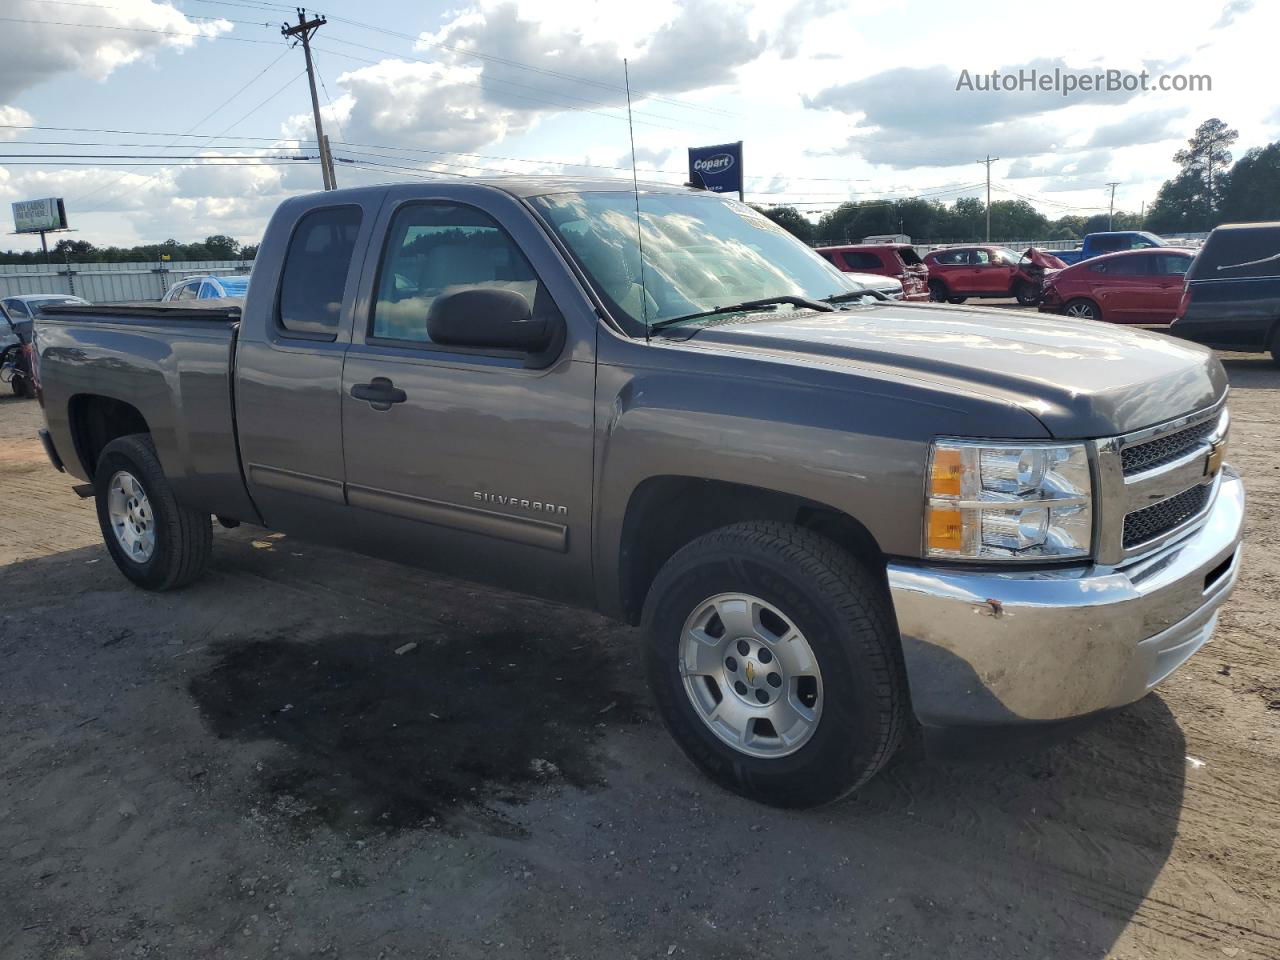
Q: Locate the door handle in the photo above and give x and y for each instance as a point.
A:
(380, 393)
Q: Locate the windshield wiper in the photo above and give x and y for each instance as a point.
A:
(854, 295)
(818, 305)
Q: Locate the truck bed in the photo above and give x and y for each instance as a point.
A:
(169, 365)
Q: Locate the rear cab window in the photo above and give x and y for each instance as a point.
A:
(313, 282)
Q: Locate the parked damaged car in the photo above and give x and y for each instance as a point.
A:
(958, 273)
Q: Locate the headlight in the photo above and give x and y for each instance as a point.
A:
(1008, 502)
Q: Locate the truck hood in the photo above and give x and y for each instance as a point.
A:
(1080, 378)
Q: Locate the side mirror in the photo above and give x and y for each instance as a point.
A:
(486, 317)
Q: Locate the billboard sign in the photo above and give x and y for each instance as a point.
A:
(35, 216)
(717, 168)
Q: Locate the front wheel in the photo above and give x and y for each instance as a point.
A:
(155, 541)
(1082, 310)
(773, 659)
(1028, 295)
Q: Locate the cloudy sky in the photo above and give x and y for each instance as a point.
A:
(157, 119)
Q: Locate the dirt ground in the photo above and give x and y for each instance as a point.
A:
(248, 768)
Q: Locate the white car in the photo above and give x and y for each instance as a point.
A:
(207, 288)
(888, 286)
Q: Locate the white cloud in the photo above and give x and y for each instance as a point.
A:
(11, 117)
(1233, 9)
(94, 39)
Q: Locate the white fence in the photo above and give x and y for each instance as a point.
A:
(109, 282)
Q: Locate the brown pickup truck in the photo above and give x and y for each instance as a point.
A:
(837, 518)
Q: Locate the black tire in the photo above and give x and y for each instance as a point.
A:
(183, 537)
(937, 291)
(1085, 309)
(1274, 347)
(19, 387)
(1027, 295)
(956, 299)
(844, 613)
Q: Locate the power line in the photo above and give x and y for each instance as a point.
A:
(490, 58)
(397, 149)
(187, 16)
(475, 83)
(108, 26)
(239, 90)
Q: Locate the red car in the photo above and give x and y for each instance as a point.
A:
(1134, 286)
(897, 260)
(957, 273)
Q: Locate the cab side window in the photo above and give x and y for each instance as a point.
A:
(189, 291)
(313, 283)
(980, 258)
(437, 247)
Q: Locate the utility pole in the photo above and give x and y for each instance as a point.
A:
(1142, 215)
(304, 31)
(989, 161)
(1112, 211)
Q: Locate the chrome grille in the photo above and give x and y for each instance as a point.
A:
(1159, 518)
(1162, 450)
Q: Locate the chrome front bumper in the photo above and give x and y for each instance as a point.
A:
(986, 648)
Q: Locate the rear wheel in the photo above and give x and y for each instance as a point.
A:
(773, 658)
(155, 542)
(956, 299)
(1275, 346)
(1082, 310)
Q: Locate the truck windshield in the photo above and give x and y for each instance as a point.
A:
(701, 251)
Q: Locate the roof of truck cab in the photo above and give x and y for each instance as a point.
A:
(531, 186)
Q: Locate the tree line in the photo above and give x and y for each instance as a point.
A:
(1207, 190)
(217, 247)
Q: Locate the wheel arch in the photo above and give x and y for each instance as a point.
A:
(664, 513)
(95, 420)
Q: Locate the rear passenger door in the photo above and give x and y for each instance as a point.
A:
(1168, 273)
(479, 463)
(294, 337)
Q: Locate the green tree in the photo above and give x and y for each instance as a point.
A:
(1016, 220)
(790, 219)
(1189, 201)
(222, 247)
(1208, 155)
(1252, 191)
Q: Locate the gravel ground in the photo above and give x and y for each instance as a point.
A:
(256, 767)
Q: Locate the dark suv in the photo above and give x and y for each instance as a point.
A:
(1231, 299)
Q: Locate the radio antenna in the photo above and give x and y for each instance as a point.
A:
(635, 184)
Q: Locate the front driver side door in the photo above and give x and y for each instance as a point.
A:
(476, 463)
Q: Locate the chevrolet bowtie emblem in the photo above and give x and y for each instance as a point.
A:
(1217, 450)
(751, 672)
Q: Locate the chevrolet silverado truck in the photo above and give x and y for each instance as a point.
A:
(839, 519)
